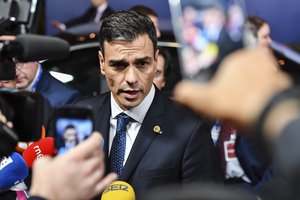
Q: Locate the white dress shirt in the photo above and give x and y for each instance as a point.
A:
(100, 11)
(137, 113)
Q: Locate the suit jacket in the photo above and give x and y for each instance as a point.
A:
(286, 154)
(182, 153)
(89, 16)
(58, 93)
(254, 163)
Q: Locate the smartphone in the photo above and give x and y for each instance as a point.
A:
(207, 30)
(72, 125)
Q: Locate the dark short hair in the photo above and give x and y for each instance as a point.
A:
(70, 126)
(126, 26)
(256, 23)
(144, 10)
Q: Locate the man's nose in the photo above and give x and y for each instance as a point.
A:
(131, 75)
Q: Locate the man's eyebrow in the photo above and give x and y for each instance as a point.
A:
(146, 58)
(113, 62)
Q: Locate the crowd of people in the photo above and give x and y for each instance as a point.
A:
(151, 140)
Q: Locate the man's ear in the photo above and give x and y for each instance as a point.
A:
(101, 61)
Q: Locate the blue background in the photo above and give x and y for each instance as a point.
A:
(282, 15)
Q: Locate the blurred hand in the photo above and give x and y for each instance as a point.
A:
(57, 25)
(78, 174)
(244, 83)
(7, 37)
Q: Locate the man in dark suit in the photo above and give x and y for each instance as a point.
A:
(32, 77)
(164, 143)
(95, 13)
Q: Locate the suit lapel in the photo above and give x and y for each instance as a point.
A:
(145, 136)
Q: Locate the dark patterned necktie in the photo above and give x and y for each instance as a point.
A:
(117, 151)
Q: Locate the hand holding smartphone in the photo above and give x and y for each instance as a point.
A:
(72, 126)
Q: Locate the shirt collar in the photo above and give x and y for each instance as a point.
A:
(101, 8)
(33, 82)
(137, 113)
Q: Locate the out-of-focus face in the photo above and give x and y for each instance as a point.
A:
(25, 73)
(97, 3)
(129, 68)
(156, 25)
(8, 83)
(70, 135)
(263, 36)
(159, 78)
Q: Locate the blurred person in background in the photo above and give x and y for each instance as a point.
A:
(161, 69)
(150, 13)
(261, 101)
(98, 11)
(244, 166)
(32, 77)
(259, 30)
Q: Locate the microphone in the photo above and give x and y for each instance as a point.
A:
(22, 146)
(118, 190)
(13, 170)
(30, 47)
(36, 150)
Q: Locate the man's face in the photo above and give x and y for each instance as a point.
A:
(159, 78)
(70, 135)
(97, 3)
(25, 73)
(263, 36)
(129, 68)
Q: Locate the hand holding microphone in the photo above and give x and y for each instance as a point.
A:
(77, 174)
(118, 190)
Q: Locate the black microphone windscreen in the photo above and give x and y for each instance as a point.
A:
(36, 47)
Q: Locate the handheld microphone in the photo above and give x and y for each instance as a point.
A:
(30, 47)
(13, 170)
(36, 150)
(22, 146)
(118, 190)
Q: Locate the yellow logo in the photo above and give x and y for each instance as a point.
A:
(157, 129)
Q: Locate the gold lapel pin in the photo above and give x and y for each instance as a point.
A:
(157, 130)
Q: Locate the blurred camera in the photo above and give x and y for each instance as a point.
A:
(25, 111)
(17, 16)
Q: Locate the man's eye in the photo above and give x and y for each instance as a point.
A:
(118, 65)
(142, 64)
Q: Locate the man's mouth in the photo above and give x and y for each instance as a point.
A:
(130, 94)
